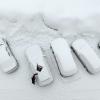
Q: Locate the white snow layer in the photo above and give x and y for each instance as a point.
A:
(24, 30)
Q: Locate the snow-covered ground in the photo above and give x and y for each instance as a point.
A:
(22, 30)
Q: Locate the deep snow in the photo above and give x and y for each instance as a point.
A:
(22, 31)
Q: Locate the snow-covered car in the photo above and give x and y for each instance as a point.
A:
(8, 62)
(40, 71)
(87, 55)
(63, 56)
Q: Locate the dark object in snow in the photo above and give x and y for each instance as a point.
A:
(99, 45)
(39, 68)
(34, 78)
